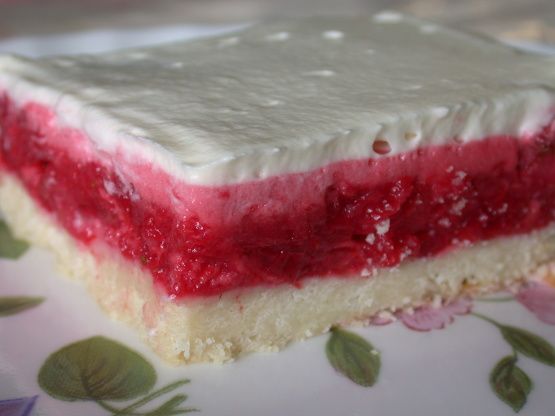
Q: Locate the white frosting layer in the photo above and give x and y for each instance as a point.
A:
(291, 95)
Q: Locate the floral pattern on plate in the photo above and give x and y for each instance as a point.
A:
(359, 361)
(122, 382)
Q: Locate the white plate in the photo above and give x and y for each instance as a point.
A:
(441, 372)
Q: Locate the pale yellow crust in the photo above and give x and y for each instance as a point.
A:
(219, 329)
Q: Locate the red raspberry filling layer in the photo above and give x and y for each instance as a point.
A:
(345, 219)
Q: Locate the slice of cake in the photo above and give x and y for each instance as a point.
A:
(233, 194)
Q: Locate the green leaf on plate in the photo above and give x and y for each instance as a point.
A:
(353, 356)
(96, 369)
(510, 383)
(529, 344)
(10, 247)
(10, 305)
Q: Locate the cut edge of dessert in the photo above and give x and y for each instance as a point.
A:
(208, 273)
(220, 329)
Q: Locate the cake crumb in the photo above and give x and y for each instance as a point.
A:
(445, 222)
(387, 315)
(382, 227)
(459, 176)
(458, 207)
(437, 302)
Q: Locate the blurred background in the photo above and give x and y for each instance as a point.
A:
(521, 20)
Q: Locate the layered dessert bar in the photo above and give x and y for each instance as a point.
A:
(236, 193)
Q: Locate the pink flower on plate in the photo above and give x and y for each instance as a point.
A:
(539, 298)
(426, 318)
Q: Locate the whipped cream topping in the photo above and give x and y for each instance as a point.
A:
(291, 95)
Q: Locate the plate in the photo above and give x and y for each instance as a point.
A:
(60, 355)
